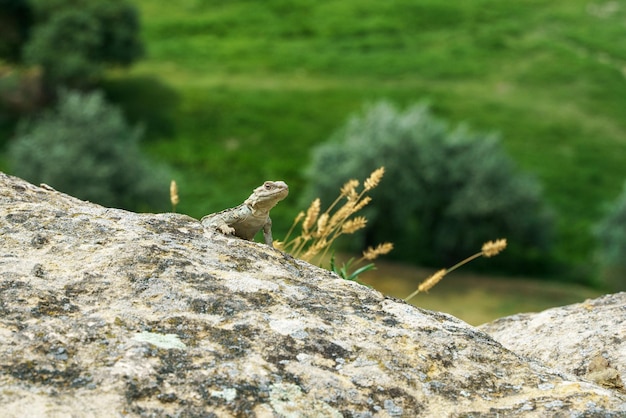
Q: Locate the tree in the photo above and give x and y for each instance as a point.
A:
(66, 47)
(16, 18)
(445, 192)
(73, 40)
(85, 148)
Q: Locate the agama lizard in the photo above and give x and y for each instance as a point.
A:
(245, 220)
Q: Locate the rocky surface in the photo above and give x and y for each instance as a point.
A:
(586, 339)
(107, 313)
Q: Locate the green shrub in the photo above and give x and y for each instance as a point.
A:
(611, 238)
(16, 18)
(74, 40)
(85, 148)
(446, 191)
(64, 47)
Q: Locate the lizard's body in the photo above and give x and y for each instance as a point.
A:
(247, 219)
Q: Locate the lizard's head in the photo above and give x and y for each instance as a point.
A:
(267, 195)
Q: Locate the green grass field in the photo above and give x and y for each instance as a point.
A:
(236, 92)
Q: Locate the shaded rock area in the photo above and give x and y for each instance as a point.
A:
(586, 339)
(108, 313)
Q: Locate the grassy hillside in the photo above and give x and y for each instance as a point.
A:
(236, 92)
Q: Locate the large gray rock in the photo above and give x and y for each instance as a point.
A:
(109, 313)
(586, 339)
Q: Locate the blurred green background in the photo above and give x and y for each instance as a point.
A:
(231, 93)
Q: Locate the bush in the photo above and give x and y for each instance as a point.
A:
(85, 148)
(445, 192)
(73, 40)
(65, 47)
(611, 237)
(15, 21)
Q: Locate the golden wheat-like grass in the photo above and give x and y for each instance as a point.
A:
(349, 188)
(353, 225)
(380, 249)
(311, 215)
(174, 195)
(489, 249)
(492, 248)
(322, 225)
(320, 229)
(374, 178)
(431, 281)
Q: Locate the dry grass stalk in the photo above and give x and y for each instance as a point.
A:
(174, 195)
(429, 283)
(374, 178)
(342, 213)
(333, 222)
(362, 203)
(314, 249)
(296, 221)
(353, 225)
(349, 188)
(492, 248)
(322, 224)
(489, 249)
(311, 215)
(373, 253)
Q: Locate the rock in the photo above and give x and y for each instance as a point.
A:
(106, 313)
(586, 339)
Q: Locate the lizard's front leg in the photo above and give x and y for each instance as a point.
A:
(225, 229)
(267, 233)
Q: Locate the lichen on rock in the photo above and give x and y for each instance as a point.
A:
(105, 313)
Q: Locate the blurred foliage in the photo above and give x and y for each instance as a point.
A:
(147, 100)
(72, 40)
(445, 192)
(611, 236)
(256, 85)
(117, 26)
(16, 18)
(21, 92)
(260, 84)
(64, 48)
(85, 148)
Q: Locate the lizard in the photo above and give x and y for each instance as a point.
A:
(247, 219)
